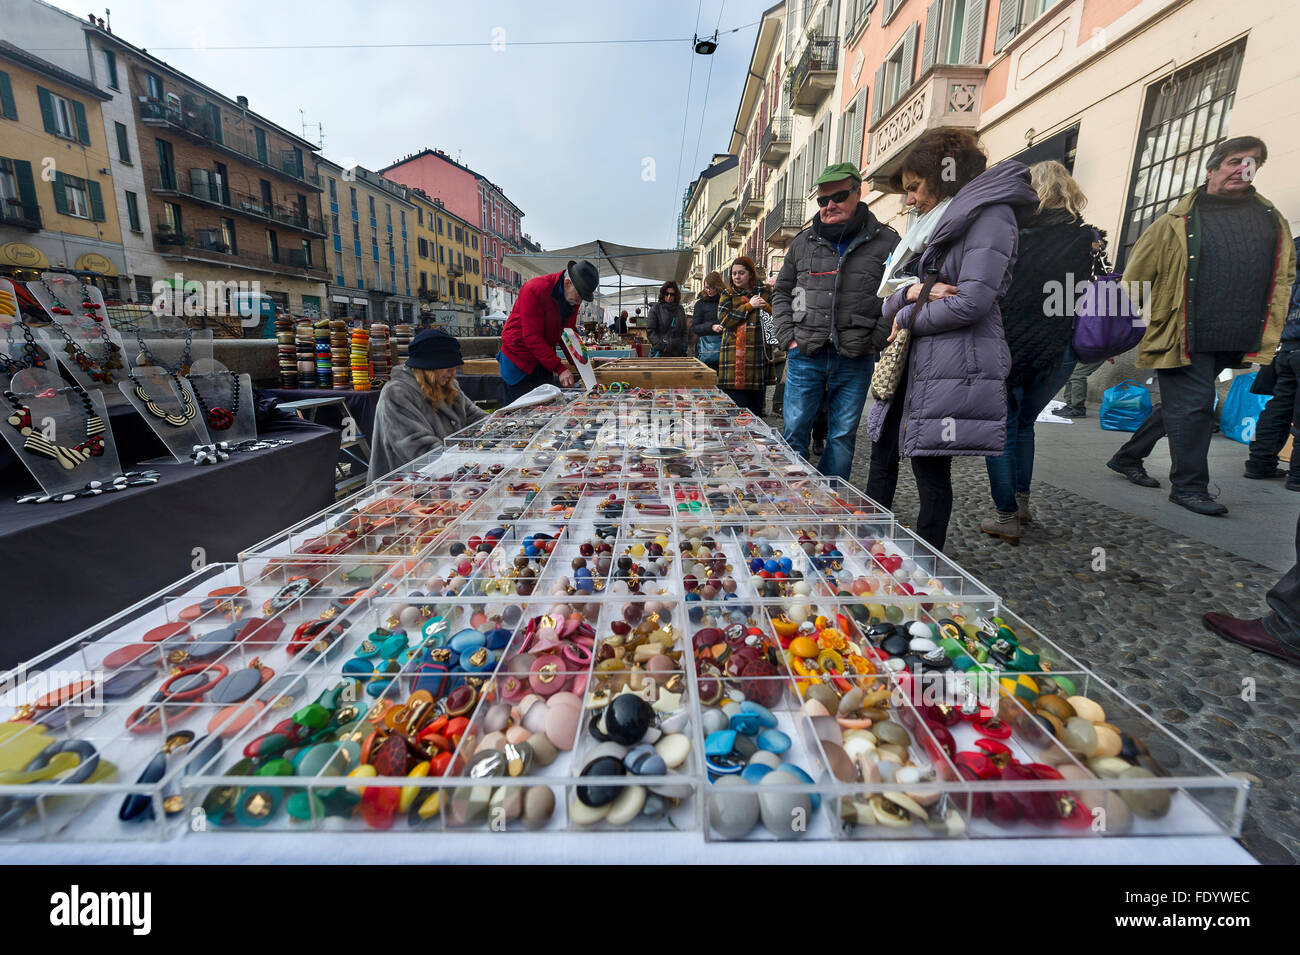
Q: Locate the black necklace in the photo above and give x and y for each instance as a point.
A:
(218, 418)
(38, 444)
(97, 369)
(182, 367)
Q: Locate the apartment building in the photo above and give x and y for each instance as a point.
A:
(449, 263)
(477, 202)
(371, 224)
(1131, 95)
(709, 205)
(56, 185)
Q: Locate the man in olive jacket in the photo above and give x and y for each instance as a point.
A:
(1216, 273)
(827, 315)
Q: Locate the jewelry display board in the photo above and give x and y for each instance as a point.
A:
(168, 404)
(20, 346)
(61, 433)
(79, 328)
(225, 401)
(171, 344)
(569, 622)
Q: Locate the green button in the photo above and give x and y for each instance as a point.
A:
(313, 716)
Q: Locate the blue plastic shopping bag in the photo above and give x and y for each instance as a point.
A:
(1241, 409)
(1124, 407)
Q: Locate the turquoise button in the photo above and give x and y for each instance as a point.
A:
(720, 743)
(766, 719)
(774, 741)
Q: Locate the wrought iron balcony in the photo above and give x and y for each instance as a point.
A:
(784, 222)
(814, 74)
(203, 186)
(17, 216)
(775, 144)
(199, 126)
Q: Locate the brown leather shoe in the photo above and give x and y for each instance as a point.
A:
(1249, 633)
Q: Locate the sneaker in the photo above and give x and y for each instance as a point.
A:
(1071, 413)
(1198, 502)
(1005, 525)
(1022, 508)
(1274, 472)
(1134, 472)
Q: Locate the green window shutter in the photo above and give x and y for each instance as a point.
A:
(972, 34)
(123, 146)
(909, 59)
(930, 48)
(26, 188)
(60, 194)
(83, 131)
(878, 95)
(7, 107)
(1008, 24)
(133, 211)
(96, 200)
(47, 110)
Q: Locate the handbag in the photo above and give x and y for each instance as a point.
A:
(892, 364)
(708, 349)
(1106, 323)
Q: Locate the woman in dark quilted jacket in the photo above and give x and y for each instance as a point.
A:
(1056, 256)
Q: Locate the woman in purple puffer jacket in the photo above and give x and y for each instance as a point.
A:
(952, 400)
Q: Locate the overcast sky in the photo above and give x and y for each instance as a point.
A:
(585, 139)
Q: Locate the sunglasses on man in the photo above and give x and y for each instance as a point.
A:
(835, 197)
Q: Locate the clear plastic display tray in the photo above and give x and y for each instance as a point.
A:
(496, 602)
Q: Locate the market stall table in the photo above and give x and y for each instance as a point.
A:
(361, 404)
(720, 603)
(89, 558)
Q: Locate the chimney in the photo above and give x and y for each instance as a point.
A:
(242, 101)
(91, 18)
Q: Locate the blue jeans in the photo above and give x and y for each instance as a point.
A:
(807, 381)
(1011, 473)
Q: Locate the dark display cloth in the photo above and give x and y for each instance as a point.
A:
(483, 388)
(361, 405)
(74, 564)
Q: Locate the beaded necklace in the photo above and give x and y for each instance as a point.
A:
(38, 444)
(97, 369)
(218, 418)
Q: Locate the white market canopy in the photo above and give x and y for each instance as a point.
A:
(621, 260)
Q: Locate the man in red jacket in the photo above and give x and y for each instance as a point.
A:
(546, 306)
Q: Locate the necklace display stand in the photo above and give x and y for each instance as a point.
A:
(88, 346)
(183, 426)
(20, 345)
(59, 417)
(214, 392)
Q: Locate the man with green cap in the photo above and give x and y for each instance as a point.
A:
(827, 316)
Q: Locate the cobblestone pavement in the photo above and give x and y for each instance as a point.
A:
(1137, 624)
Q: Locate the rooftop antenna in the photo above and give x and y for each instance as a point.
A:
(320, 129)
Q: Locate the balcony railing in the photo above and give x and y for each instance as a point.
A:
(201, 185)
(735, 238)
(751, 203)
(744, 209)
(775, 145)
(288, 261)
(17, 216)
(784, 222)
(155, 112)
(814, 74)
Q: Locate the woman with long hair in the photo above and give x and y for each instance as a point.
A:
(421, 405)
(1056, 254)
(745, 356)
(951, 399)
(666, 325)
(704, 321)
